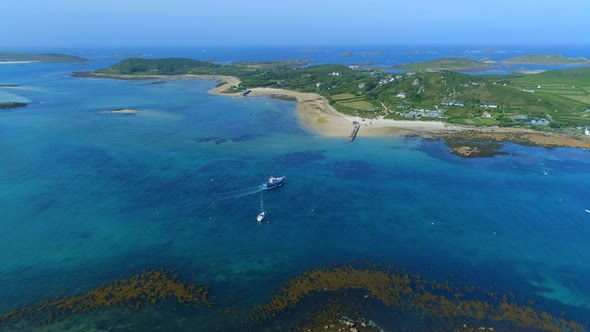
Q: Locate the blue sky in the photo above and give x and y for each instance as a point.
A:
(87, 23)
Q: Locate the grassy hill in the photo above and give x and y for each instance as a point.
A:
(567, 89)
(45, 57)
(166, 66)
(515, 106)
(446, 64)
(547, 60)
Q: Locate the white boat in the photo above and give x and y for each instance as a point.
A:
(587, 211)
(273, 182)
(262, 213)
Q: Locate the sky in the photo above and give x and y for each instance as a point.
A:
(102, 23)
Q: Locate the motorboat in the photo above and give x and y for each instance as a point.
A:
(273, 182)
(261, 216)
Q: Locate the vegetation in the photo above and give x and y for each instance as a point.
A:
(547, 60)
(45, 57)
(553, 100)
(446, 64)
(413, 292)
(168, 66)
(138, 291)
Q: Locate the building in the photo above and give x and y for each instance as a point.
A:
(486, 114)
(453, 103)
(528, 90)
(401, 95)
(587, 131)
(541, 122)
(489, 105)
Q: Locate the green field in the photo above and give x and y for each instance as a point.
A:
(353, 102)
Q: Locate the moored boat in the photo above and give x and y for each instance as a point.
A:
(273, 182)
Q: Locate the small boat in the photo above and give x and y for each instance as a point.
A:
(273, 182)
(587, 211)
(262, 213)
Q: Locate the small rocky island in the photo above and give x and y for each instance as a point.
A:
(12, 104)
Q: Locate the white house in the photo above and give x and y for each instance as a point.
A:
(587, 131)
(401, 95)
(490, 105)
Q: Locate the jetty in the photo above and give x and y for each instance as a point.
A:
(355, 131)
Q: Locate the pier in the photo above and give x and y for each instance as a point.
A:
(355, 131)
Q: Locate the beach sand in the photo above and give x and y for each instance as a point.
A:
(318, 116)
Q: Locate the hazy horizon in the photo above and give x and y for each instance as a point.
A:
(108, 23)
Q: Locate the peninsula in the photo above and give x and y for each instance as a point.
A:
(549, 109)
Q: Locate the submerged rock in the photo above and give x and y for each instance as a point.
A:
(212, 139)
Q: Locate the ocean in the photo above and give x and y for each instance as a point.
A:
(89, 198)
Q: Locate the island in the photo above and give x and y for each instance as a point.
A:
(457, 64)
(537, 59)
(10, 57)
(548, 109)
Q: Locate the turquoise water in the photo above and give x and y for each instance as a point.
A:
(89, 197)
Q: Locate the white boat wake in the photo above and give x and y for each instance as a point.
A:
(238, 193)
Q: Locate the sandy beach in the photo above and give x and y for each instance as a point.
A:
(317, 115)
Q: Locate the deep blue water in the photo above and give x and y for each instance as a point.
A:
(88, 197)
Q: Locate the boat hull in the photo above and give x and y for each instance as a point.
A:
(276, 183)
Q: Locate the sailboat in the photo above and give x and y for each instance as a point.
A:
(262, 213)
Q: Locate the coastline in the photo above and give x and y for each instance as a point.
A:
(318, 116)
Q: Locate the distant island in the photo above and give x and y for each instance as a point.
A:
(529, 109)
(45, 57)
(459, 64)
(546, 60)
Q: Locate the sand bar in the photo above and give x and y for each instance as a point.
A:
(15, 62)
